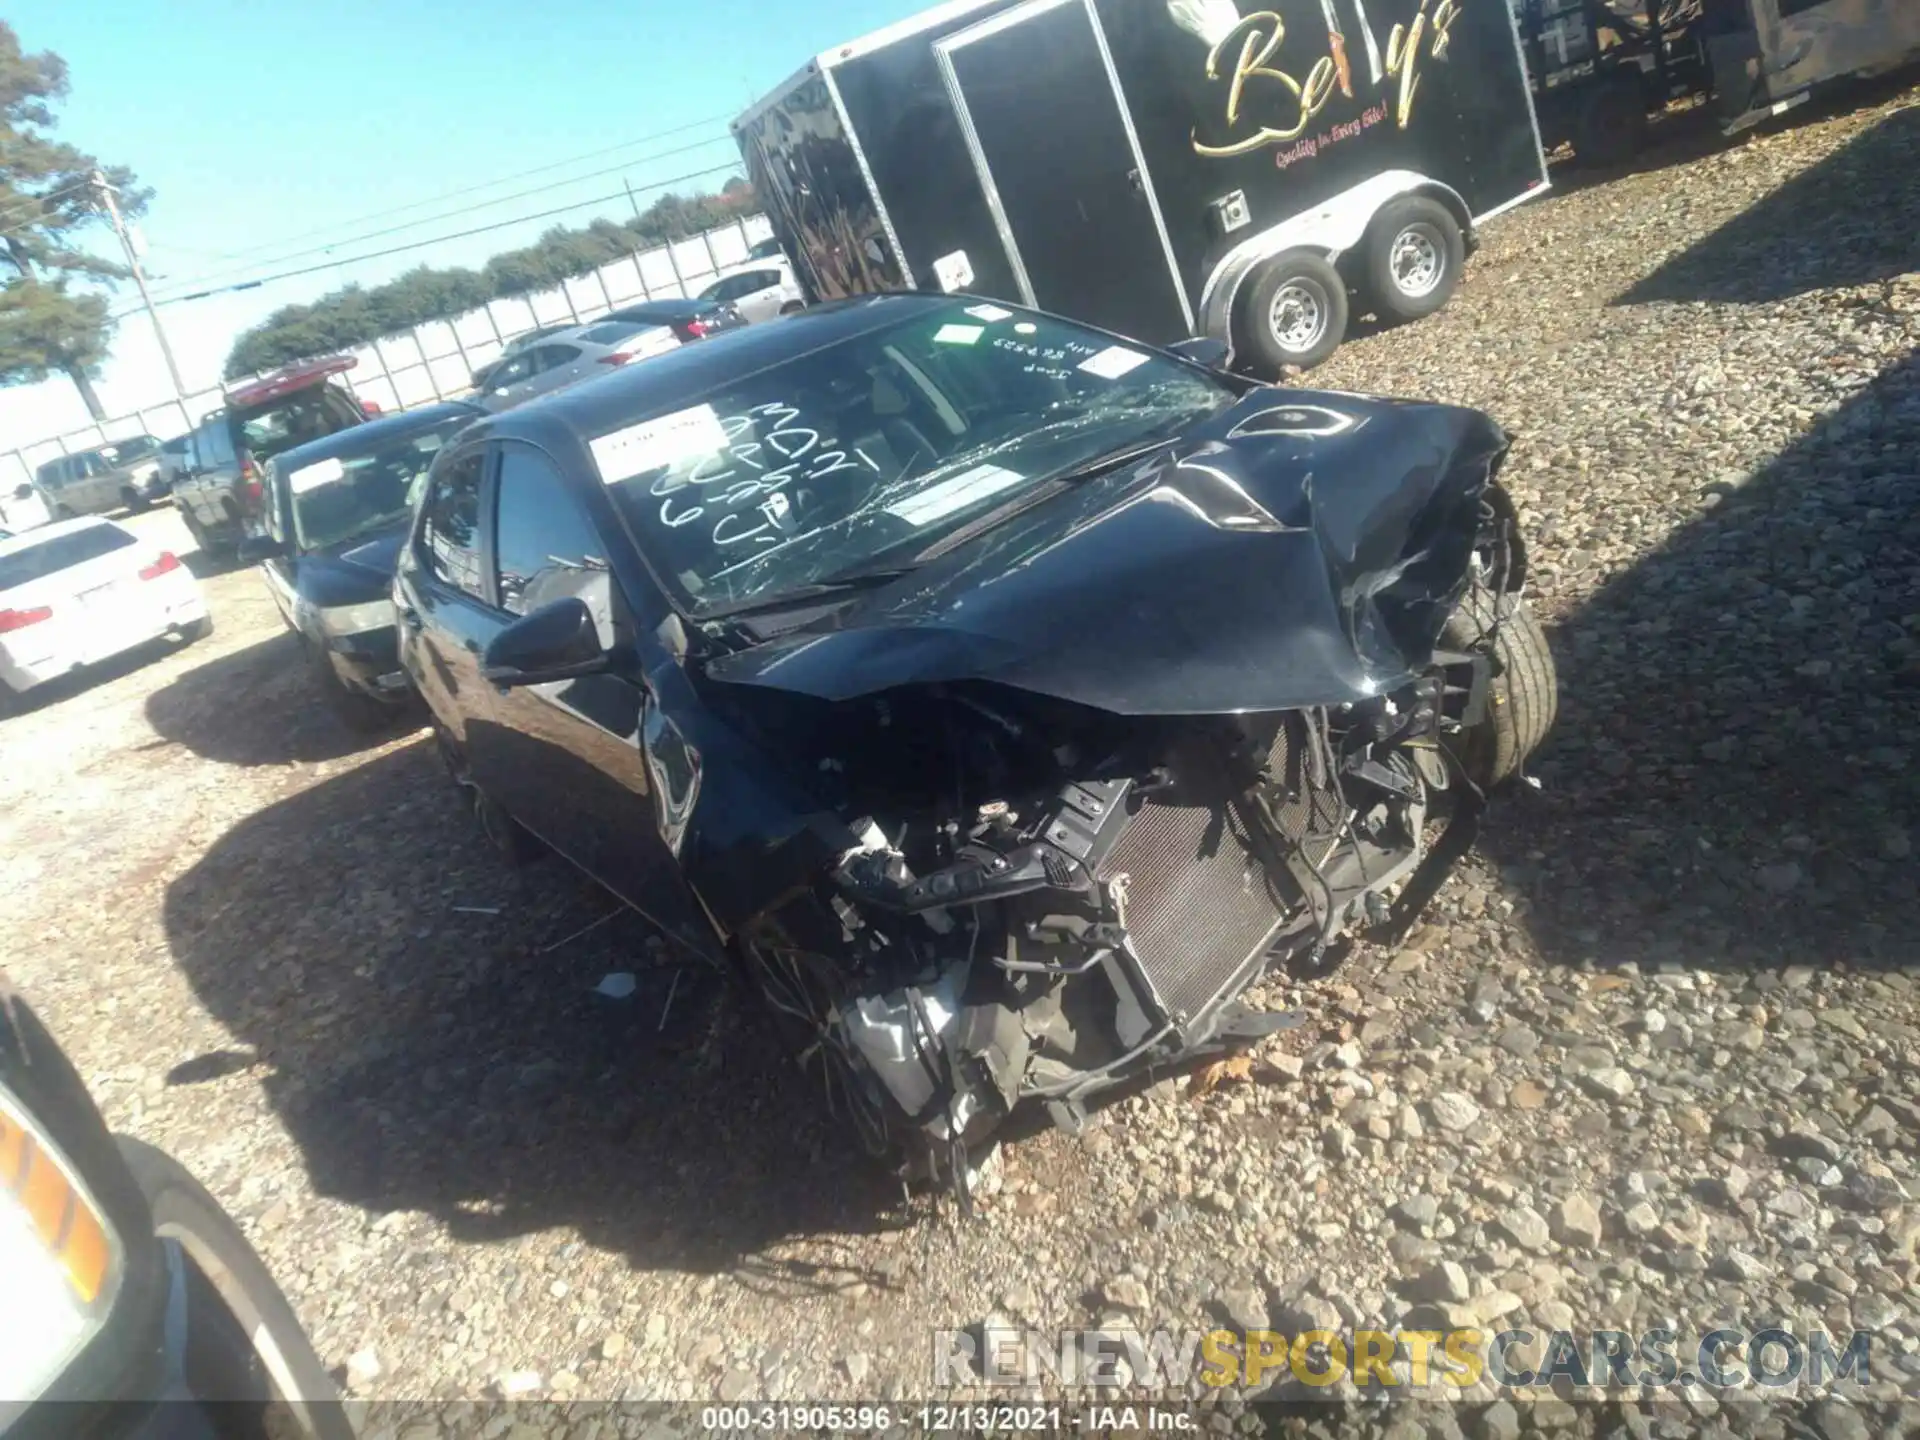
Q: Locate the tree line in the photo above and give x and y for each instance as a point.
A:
(357, 315)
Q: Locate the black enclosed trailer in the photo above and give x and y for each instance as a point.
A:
(1600, 67)
(1163, 168)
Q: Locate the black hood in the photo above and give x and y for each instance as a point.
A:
(352, 573)
(1299, 548)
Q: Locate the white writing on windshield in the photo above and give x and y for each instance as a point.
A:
(732, 487)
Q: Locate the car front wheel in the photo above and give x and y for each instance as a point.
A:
(1523, 697)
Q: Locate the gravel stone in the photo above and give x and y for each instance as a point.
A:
(1453, 1111)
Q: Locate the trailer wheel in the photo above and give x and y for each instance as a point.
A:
(1414, 256)
(1612, 124)
(1295, 312)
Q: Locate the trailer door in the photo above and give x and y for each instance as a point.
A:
(1056, 152)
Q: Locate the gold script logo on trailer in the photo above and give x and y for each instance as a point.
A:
(1258, 86)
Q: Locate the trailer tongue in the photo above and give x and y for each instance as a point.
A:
(1163, 168)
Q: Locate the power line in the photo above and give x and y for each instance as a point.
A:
(436, 240)
(40, 201)
(220, 274)
(488, 184)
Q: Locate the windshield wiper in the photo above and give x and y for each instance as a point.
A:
(1042, 489)
(846, 582)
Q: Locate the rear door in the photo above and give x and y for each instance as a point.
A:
(445, 620)
(556, 365)
(1075, 208)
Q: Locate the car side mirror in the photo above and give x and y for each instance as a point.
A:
(256, 548)
(23, 492)
(556, 642)
(1202, 350)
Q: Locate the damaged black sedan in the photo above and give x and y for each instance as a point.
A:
(1004, 697)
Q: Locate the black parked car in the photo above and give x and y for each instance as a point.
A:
(133, 1306)
(336, 513)
(1006, 696)
(694, 318)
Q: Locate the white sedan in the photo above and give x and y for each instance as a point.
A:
(81, 591)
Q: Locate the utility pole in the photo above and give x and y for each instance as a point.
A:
(105, 192)
(630, 200)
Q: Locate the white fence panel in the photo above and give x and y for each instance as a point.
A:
(550, 307)
(586, 296)
(450, 376)
(436, 339)
(377, 388)
(656, 270)
(474, 329)
(396, 352)
(414, 386)
(622, 279)
(513, 316)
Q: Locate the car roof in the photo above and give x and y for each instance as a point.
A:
(687, 375)
(359, 439)
(27, 539)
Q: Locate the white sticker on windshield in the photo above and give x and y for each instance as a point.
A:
(964, 489)
(653, 444)
(989, 313)
(957, 334)
(312, 477)
(1113, 362)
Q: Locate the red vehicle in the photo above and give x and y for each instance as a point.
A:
(220, 493)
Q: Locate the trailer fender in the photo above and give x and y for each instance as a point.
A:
(1332, 229)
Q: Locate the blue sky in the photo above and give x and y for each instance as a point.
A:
(272, 127)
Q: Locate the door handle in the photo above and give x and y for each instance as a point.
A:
(1139, 185)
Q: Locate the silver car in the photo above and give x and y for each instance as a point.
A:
(563, 359)
(123, 475)
(760, 291)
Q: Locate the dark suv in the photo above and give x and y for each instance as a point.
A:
(220, 494)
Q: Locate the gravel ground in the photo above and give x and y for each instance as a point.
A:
(1654, 1057)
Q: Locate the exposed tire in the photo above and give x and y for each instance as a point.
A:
(792, 307)
(1524, 695)
(1414, 258)
(283, 1356)
(1294, 312)
(197, 630)
(1611, 126)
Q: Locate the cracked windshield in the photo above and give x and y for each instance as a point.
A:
(877, 446)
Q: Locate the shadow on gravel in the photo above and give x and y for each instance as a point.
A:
(427, 1056)
(206, 567)
(256, 706)
(74, 683)
(1733, 780)
(1851, 219)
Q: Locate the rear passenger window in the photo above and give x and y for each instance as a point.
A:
(449, 544)
(546, 547)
